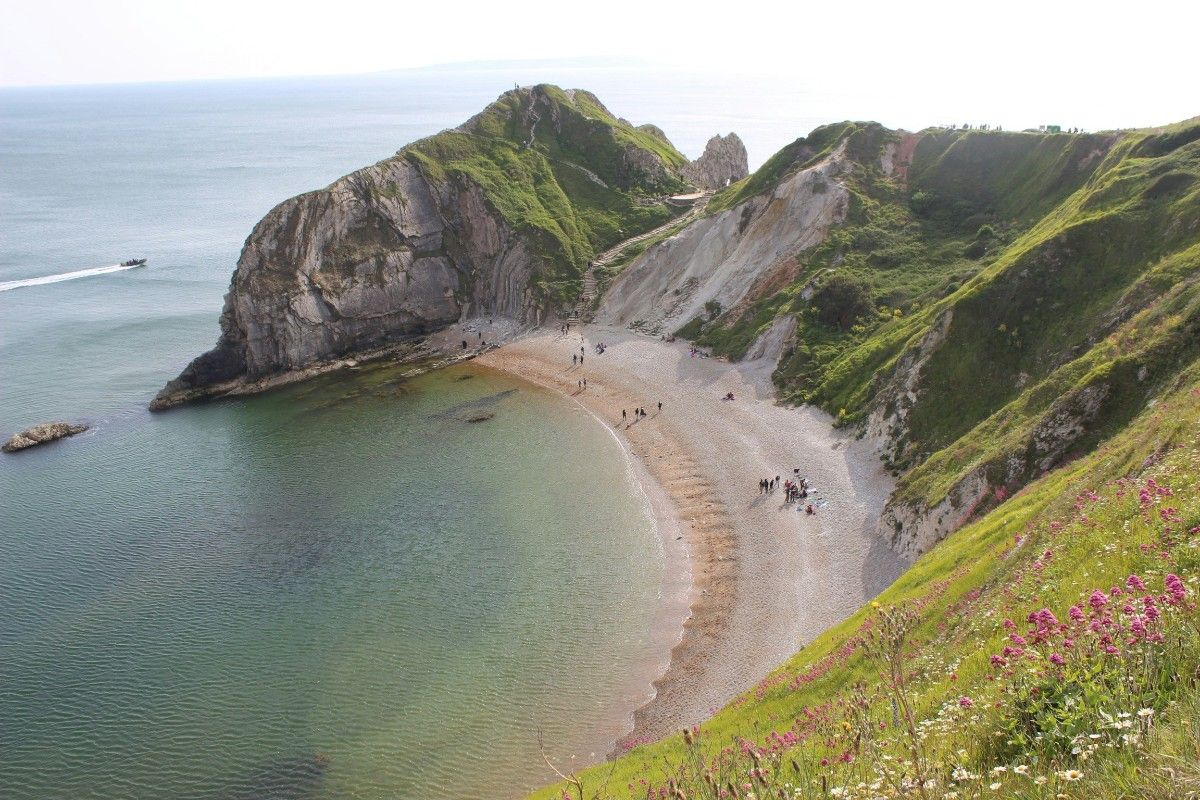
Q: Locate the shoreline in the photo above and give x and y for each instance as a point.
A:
(678, 588)
(755, 593)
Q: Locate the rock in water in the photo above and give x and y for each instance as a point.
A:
(723, 162)
(41, 434)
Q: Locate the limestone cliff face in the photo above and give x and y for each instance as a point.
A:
(490, 218)
(728, 256)
(349, 268)
(723, 162)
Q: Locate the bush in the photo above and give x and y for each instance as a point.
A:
(842, 300)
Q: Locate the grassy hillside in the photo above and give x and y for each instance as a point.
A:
(1022, 263)
(562, 171)
(1049, 649)
(1024, 309)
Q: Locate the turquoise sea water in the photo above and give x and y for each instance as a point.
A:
(202, 604)
(337, 590)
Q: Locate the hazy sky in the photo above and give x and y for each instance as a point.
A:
(1011, 63)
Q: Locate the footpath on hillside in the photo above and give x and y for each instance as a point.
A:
(587, 297)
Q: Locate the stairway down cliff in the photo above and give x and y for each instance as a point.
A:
(497, 217)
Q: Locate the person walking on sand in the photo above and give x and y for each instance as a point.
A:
(585, 383)
(660, 406)
(624, 416)
(574, 359)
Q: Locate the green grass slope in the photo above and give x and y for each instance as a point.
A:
(562, 171)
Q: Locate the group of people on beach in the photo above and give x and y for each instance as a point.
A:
(577, 360)
(794, 490)
(638, 413)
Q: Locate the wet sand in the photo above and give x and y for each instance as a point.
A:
(765, 578)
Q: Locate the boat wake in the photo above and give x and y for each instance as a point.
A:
(65, 276)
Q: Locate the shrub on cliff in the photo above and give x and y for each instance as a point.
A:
(842, 300)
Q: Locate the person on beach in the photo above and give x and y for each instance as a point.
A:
(624, 416)
(660, 406)
(574, 359)
(585, 383)
(464, 344)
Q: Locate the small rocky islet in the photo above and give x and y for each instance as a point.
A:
(42, 434)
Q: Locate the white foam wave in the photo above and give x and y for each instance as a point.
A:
(64, 276)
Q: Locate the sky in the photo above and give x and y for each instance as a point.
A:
(904, 63)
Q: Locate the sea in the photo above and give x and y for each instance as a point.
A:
(339, 589)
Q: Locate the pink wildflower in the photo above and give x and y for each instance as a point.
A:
(1135, 583)
(1151, 607)
(1175, 589)
(966, 702)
